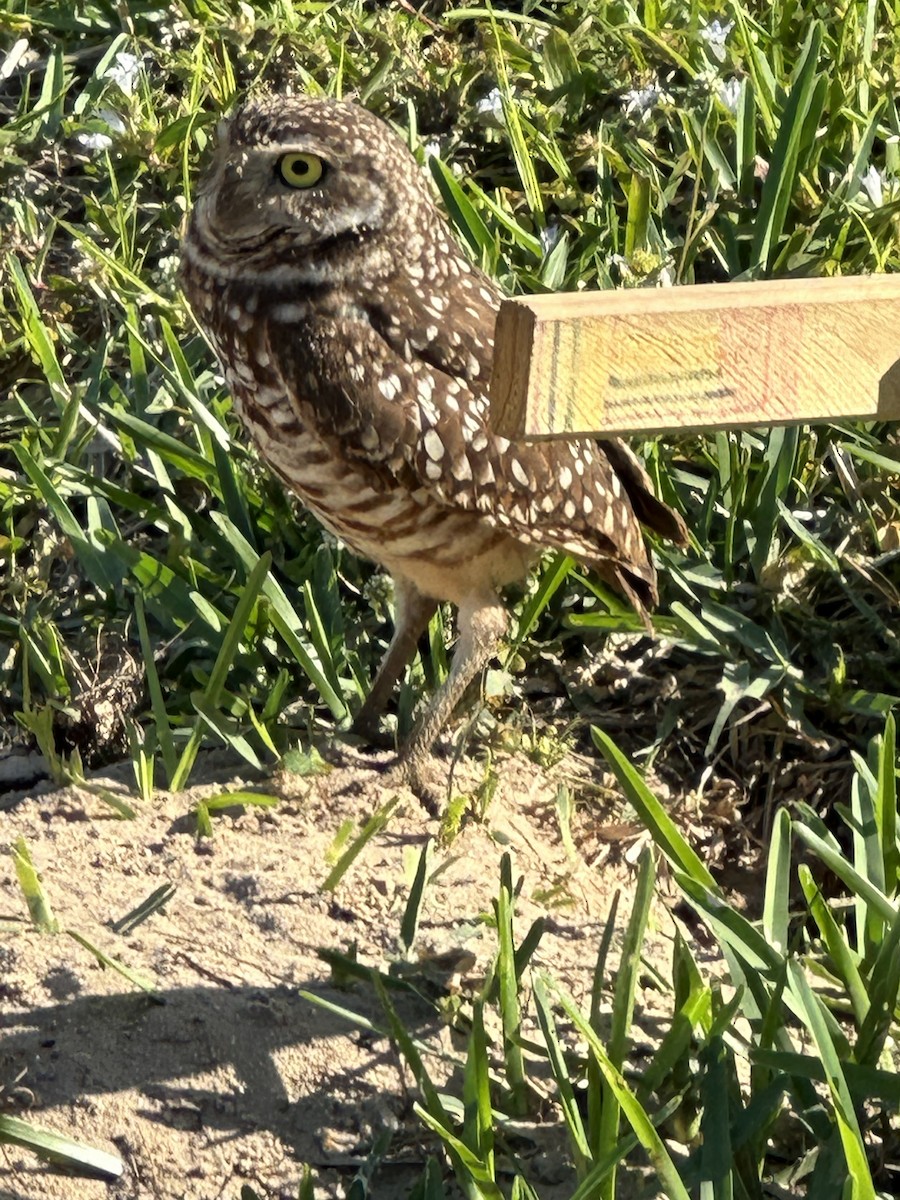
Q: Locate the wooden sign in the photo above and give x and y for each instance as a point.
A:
(710, 356)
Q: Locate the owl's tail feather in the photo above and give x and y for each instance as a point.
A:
(635, 584)
(647, 508)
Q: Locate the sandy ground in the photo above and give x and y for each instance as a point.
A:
(227, 1075)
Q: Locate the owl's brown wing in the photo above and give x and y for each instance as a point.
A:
(463, 349)
(428, 430)
(452, 329)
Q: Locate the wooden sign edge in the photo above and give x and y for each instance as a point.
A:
(514, 406)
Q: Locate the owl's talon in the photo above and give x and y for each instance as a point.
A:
(427, 781)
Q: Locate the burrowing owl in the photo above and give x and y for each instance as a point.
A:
(357, 341)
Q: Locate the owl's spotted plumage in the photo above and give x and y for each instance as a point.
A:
(357, 341)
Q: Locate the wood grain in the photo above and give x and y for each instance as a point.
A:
(711, 356)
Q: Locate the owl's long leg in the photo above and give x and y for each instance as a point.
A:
(413, 611)
(483, 620)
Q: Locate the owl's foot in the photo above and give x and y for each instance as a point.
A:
(422, 774)
(426, 778)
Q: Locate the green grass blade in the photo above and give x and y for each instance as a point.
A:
(306, 1188)
(530, 244)
(429, 1185)
(229, 730)
(884, 986)
(565, 1093)
(780, 458)
(776, 907)
(286, 621)
(631, 1108)
(157, 701)
(552, 578)
(472, 1172)
(718, 1086)
(117, 269)
(868, 857)
(696, 1010)
(638, 214)
(410, 1053)
(94, 561)
(781, 179)
(810, 1007)
(206, 703)
(410, 923)
(236, 627)
(508, 984)
(521, 154)
(38, 337)
(528, 944)
(105, 960)
(30, 882)
(758, 69)
(319, 638)
(865, 1083)
(588, 1188)
(57, 1149)
(176, 453)
(372, 827)
(623, 1011)
(595, 1084)
(663, 829)
(857, 883)
(463, 213)
(731, 927)
(346, 1014)
(478, 1119)
(844, 960)
(886, 806)
(222, 801)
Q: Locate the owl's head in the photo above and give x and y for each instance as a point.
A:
(296, 184)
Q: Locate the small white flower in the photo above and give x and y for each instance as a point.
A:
(95, 142)
(124, 71)
(489, 109)
(112, 119)
(170, 34)
(716, 32)
(98, 141)
(432, 149)
(729, 92)
(873, 185)
(715, 35)
(19, 53)
(640, 101)
(549, 237)
(169, 265)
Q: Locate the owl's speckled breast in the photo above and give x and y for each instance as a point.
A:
(441, 550)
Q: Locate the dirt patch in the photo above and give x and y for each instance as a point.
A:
(235, 1076)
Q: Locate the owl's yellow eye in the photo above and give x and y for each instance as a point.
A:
(300, 170)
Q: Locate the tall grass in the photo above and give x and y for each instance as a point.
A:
(159, 591)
